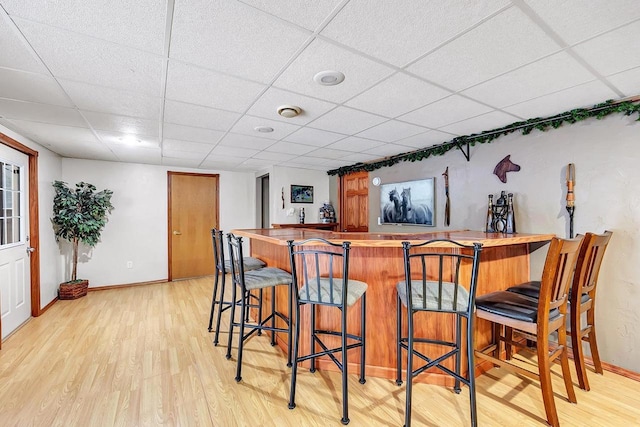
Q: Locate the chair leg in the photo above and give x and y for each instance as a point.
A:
(290, 323)
(214, 299)
(259, 322)
(345, 364)
(221, 307)
(544, 367)
(312, 344)
(273, 315)
(294, 368)
(363, 332)
(593, 342)
(232, 318)
(471, 370)
(576, 347)
(458, 356)
(407, 409)
(564, 361)
(398, 341)
(508, 347)
(245, 310)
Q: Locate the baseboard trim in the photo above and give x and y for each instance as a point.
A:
(615, 370)
(47, 307)
(126, 285)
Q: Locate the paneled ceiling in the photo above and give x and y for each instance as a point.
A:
(186, 82)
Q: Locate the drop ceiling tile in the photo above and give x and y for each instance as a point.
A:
(177, 145)
(489, 121)
(308, 13)
(290, 147)
(267, 106)
(360, 157)
(138, 24)
(125, 140)
(106, 100)
(501, 44)
(257, 163)
(445, 111)
(585, 95)
(627, 81)
(427, 139)
(391, 131)
(14, 51)
(31, 87)
(122, 124)
(150, 156)
(196, 85)
(556, 72)
(233, 38)
(42, 113)
(577, 20)
(84, 150)
(220, 159)
(399, 33)
(397, 95)
(613, 52)
(328, 153)
(347, 121)
(198, 116)
(185, 163)
(276, 157)
(47, 134)
(179, 154)
(315, 137)
(221, 150)
(188, 133)
(389, 150)
(220, 165)
(245, 141)
(353, 143)
(360, 72)
(81, 58)
(247, 124)
(334, 163)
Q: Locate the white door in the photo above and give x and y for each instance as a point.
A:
(15, 272)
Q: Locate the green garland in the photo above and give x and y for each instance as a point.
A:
(598, 111)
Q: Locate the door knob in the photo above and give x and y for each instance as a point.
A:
(176, 233)
(30, 249)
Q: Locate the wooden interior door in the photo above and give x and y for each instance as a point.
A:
(193, 212)
(354, 204)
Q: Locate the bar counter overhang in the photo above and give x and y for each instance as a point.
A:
(376, 258)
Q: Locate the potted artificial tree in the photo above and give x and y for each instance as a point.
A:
(79, 215)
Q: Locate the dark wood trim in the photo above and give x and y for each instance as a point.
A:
(127, 285)
(169, 215)
(48, 306)
(34, 220)
(341, 204)
(611, 368)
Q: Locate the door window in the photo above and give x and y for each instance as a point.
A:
(11, 204)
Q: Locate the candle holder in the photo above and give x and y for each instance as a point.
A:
(501, 215)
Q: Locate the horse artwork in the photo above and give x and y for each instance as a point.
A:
(409, 202)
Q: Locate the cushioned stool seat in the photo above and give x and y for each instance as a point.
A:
(331, 293)
(532, 290)
(431, 299)
(512, 305)
(250, 263)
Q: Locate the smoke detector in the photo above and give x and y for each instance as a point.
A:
(329, 78)
(288, 111)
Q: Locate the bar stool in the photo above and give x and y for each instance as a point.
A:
(583, 296)
(321, 278)
(222, 267)
(443, 275)
(268, 277)
(535, 319)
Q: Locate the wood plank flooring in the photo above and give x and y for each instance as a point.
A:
(142, 356)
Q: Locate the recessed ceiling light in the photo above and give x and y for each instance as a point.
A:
(288, 111)
(329, 78)
(263, 129)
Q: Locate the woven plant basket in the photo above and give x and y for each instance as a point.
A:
(73, 290)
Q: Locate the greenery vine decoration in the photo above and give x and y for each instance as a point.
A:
(598, 111)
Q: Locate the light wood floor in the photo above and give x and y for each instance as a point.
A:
(142, 356)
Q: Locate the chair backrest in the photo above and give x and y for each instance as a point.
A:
(559, 267)
(452, 265)
(315, 259)
(588, 265)
(235, 259)
(217, 240)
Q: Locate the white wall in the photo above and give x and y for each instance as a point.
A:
(281, 178)
(49, 169)
(137, 227)
(606, 154)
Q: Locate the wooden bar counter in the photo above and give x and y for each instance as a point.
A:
(376, 258)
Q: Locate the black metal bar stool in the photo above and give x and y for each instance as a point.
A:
(321, 278)
(222, 267)
(443, 280)
(246, 282)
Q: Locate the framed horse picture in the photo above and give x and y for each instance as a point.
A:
(408, 202)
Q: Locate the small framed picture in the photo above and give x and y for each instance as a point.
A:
(301, 194)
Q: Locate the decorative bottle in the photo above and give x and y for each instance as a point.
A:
(490, 224)
(511, 219)
(301, 215)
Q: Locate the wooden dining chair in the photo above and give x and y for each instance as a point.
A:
(582, 296)
(535, 320)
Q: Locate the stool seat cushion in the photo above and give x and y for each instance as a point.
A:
(250, 263)
(512, 305)
(309, 291)
(431, 300)
(532, 290)
(266, 277)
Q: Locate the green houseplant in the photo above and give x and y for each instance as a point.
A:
(79, 215)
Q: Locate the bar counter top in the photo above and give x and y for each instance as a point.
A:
(468, 237)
